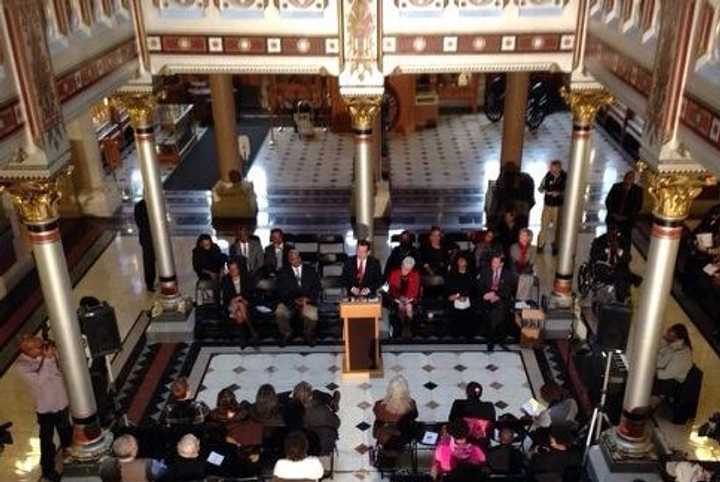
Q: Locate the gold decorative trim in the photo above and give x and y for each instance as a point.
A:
(140, 107)
(673, 192)
(363, 110)
(585, 104)
(37, 201)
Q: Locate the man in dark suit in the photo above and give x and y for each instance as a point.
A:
(496, 286)
(624, 202)
(249, 247)
(298, 287)
(361, 273)
(276, 253)
(142, 220)
(400, 252)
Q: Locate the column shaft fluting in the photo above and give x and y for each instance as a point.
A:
(572, 209)
(513, 132)
(364, 186)
(157, 212)
(225, 125)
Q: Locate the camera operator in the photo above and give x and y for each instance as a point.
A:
(38, 365)
(610, 254)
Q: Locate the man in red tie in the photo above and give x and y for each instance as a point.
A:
(496, 286)
(362, 274)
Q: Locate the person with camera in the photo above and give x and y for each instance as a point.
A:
(38, 366)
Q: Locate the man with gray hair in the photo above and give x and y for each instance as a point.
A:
(187, 465)
(126, 467)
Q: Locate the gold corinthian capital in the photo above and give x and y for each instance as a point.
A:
(37, 201)
(363, 110)
(673, 192)
(585, 104)
(140, 106)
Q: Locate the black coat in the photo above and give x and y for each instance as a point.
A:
(506, 287)
(208, 259)
(371, 280)
(627, 204)
(142, 220)
(552, 183)
(472, 409)
(270, 263)
(288, 289)
(227, 287)
(397, 255)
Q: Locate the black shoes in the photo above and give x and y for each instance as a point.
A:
(335, 402)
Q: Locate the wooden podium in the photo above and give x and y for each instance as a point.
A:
(361, 333)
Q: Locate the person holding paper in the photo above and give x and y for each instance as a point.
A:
(361, 274)
(404, 293)
(460, 292)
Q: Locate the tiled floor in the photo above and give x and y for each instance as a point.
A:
(436, 378)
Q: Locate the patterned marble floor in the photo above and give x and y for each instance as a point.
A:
(436, 378)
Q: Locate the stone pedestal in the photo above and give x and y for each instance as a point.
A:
(234, 200)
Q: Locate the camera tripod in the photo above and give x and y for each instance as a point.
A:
(599, 416)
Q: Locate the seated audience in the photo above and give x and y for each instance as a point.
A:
(317, 416)
(496, 287)
(522, 256)
(249, 247)
(562, 410)
(235, 291)
(473, 406)
(395, 417)
(361, 274)
(460, 292)
(267, 409)
(404, 293)
(227, 410)
(298, 287)
(559, 459)
(276, 253)
(506, 457)
(181, 409)
(400, 252)
(188, 465)
(434, 254)
(207, 259)
(674, 361)
(455, 457)
(124, 466)
(508, 230)
(486, 243)
(297, 465)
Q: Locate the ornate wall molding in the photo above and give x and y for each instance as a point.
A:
(696, 115)
(479, 44)
(191, 44)
(10, 118)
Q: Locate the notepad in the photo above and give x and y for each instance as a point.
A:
(533, 407)
(215, 458)
(711, 269)
(430, 438)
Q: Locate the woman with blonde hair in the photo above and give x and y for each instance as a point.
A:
(395, 417)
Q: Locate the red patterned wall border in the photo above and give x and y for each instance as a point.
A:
(93, 70)
(695, 115)
(477, 44)
(191, 44)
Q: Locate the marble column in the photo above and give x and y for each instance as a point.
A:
(584, 104)
(363, 110)
(96, 195)
(672, 194)
(225, 125)
(513, 132)
(141, 108)
(37, 205)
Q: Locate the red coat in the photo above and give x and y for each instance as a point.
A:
(413, 285)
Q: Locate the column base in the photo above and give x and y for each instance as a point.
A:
(604, 466)
(100, 202)
(92, 451)
(560, 301)
(234, 200)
